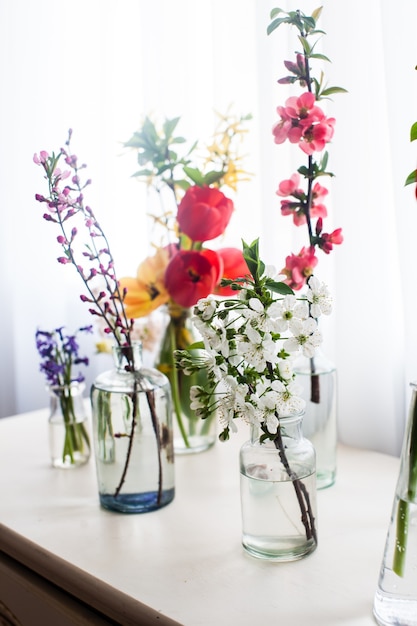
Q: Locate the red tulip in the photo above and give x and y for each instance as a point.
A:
(204, 213)
(234, 266)
(191, 275)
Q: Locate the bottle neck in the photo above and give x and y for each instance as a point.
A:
(289, 426)
(128, 358)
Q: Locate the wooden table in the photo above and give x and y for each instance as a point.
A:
(64, 560)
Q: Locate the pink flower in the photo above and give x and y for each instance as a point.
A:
(299, 267)
(40, 158)
(326, 241)
(290, 187)
(317, 135)
(304, 123)
(298, 69)
(298, 207)
(303, 109)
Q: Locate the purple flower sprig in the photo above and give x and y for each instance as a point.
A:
(59, 353)
(66, 208)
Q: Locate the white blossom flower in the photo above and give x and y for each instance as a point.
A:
(261, 318)
(288, 309)
(306, 336)
(290, 401)
(250, 347)
(258, 353)
(197, 398)
(319, 296)
(207, 307)
(285, 369)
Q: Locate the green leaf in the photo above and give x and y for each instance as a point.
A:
(281, 288)
(309, 22)
(144, 172)
(212, 177)
(305, 44)
(316, 13)
(170, 125)
(195, 175)
(275, 12)
(413, 132)
(197, 345)
(251, 256)
(275, 23)
(411, 178)
(329, 90)
(304, 171)
(322, 57)
(182, 184)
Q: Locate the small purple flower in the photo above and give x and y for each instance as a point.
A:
(59, 352)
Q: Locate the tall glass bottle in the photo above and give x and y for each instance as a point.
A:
(191, 433)
(318, 379)
(395, 600)
(133, 439)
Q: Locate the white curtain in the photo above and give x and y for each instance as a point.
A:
(98, 67)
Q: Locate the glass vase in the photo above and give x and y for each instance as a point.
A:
(317, 377)
(396, 596)
(133, 438)
(69, 442)
(278, 493)
(191, 433)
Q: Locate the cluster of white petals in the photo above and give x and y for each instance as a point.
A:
(250, 343)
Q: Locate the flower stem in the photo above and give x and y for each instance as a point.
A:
(155, 423)
(75, 432)
(301, 492)
(173, 376)
(402, 514)
(315, 383)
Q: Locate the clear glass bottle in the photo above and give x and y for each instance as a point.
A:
(133, 439)
(318, 379)
(395, 600)
(69, 442)
(191, 433)
(278, 492)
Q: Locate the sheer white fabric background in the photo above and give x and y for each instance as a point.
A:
(98, 66)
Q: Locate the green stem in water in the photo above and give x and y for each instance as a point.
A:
(173, 376)
(76, 435)
(400, 548)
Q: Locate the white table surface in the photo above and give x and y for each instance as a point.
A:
(185, 561)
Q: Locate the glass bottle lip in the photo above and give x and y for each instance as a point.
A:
(76, 387)
(292, 417)
(286, 420)
(122, 354)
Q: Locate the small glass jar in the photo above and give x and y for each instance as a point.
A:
(69, 442)
(133, 438)
(278, 493)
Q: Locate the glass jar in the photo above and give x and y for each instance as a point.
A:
(133, 440)
(395, 600)
(69, 442)
(317, 377)
(278, 493)
(191, 433)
